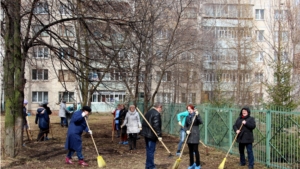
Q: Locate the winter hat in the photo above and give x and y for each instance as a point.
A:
(45, 103)
(86, 108)
(25, 102)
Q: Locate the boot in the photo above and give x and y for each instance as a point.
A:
(134, 144)
(81, 162)
(68, 161)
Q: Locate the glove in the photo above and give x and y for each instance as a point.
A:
(140, 128)
(188, 132)
(179, 123)
(159, 139)
(122, 126)
(83, 114)
(196, 112)
(90, 132)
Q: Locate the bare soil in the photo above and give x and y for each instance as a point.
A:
(51, 153)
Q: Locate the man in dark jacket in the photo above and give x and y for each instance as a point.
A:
(154, 119)
(73, 141)
(244, 126)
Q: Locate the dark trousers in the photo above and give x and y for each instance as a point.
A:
(194, 148)
(132, 140)
(42, 134)
(249, 152)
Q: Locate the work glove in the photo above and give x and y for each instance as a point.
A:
(122, 126)
(159, 139)
(179, 123)
(140, 128)
(196, 112)
(83, 114)
(90, 132)
(188, 132)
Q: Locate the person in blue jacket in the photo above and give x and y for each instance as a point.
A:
(73, 140)
(43, 121)
(181, 121)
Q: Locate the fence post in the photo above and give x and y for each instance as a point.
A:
(205, 125)
(230, 124)
(268, 137)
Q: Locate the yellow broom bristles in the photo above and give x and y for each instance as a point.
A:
(221, 166)
(176, 164)
(101, 162)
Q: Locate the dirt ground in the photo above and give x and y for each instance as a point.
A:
(51, 153)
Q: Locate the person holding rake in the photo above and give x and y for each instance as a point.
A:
(193, 136)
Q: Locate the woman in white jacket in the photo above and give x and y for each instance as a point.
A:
(133, 123)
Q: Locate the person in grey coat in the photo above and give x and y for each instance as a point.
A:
(62, 114)
(193, 136)
(133, 123)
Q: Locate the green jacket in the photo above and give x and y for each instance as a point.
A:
(184, 115)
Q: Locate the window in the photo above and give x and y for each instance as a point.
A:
(259, 35)
(259, 77)
(37, 28)
(66, 76)
(282, 36)
(108, 96)
(40, 52)
(164, 97)
(166, 77)
(280, 14)
(39, 96)
(187, 56)
(41, 8)
(67, 31)
(67, 96)
(66, 53)
(191, 98)
(64, 9)
(39, 74)
(183, 98)
(93, 76)
(259, 14)
(163, 34)
(283, 56)
(259, 56)
(142, 76)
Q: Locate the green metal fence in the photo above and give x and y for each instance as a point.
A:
(277, 133)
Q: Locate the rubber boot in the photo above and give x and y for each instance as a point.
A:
(81, 162)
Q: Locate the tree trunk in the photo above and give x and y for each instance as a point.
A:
(14, 63)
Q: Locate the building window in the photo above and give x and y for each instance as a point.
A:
(66, 53)
(142, 76)
(41, 8)
(191, 98)
(40, 52)
(163, 34)
(64, 9)
(66, 76)
(37, 28)
(107, 96)
(166, 77)
(259, 77)
(259, 14)
(164, 97)
(259, 56)
(66, 96)
(280, 14)
(282, 56)
(39, 74)
(259, 35)
(67, 31)
(39, 97)
(187, 56)
(282, 36)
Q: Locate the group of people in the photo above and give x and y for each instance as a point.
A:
(128, 126)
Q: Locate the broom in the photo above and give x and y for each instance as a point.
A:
(170, 155)
(221, 166)
(177, 162)
(100, 160)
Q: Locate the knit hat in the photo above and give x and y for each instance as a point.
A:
(25, 102)
(86, 108)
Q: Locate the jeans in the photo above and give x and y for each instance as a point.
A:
(150, 150)
(249, 152)
(79, 154)
(181, 136)
(63, 121)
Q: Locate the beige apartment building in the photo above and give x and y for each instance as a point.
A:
(233, 44)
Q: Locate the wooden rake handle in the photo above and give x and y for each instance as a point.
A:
(91, 135)
(233, 141)
(153, 130)
(186, 138)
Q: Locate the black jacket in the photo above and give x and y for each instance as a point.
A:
(194, 136)
(246, 134)
(154, 119)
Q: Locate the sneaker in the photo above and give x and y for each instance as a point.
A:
(125, 142)
(81, 162)
(178, 153)
(192, 166)
(198, 167)
(68, 161)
